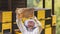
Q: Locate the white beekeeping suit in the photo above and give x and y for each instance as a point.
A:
(24, 30)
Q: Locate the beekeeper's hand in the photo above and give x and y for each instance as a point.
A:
(19, 13)
(35, 18)
(19, 10)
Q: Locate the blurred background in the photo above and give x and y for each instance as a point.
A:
(7, 5)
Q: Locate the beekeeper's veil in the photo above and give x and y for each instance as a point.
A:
(26, 22)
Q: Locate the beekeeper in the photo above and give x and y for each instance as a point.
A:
(30, 26)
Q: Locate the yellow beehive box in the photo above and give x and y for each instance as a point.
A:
(6, 26)
(41, 16)
(53, 20)
(7, 16)
(48, 30)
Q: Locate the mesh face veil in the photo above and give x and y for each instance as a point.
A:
(27, 21)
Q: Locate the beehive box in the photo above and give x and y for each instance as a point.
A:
(7, 16)
(24, 12)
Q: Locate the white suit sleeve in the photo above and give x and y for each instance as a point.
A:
(37, 21)
(20, 25)
(38, 24)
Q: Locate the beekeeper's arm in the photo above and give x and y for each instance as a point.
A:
(39, 25)
(20, 25)
(37, 22)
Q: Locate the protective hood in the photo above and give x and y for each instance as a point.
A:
(26, 22)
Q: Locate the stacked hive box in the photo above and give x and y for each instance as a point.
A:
(6, 22)
(44, 16)
(47, 20)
